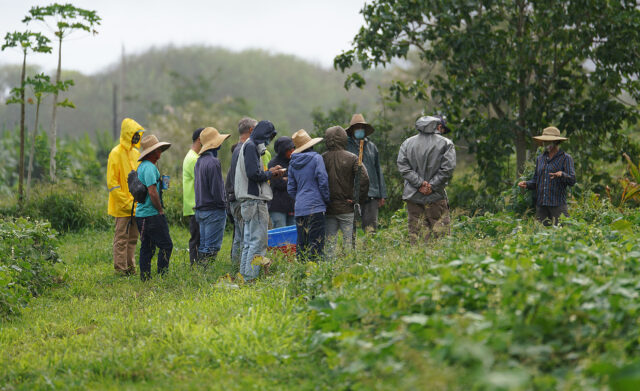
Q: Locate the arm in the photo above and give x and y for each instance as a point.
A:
(323, 179)
(383, 186)
(405, 169)
(292, 184)
(155, 198)
(447, 165)
(568, 172)
(253, 164)
(277, 183)
(115, 187)
(364, 181)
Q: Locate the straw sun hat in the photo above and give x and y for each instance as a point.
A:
(549, 134)
(303, 141)
(357, 121)
(211, 139)
(149, 144)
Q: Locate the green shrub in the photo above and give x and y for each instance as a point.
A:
(27, 256)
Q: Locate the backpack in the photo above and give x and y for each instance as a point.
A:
(138, 190)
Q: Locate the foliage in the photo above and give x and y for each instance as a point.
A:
(67, 19)
(68, 206)
(27, 256)
(511, 68)
(630, 187)
(503, 303)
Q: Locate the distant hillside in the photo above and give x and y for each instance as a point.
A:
(282, 88)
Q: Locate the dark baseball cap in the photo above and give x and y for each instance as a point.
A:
(196, 134)
(443, 122)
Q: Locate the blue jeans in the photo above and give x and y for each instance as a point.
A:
(212, 223)
(256, 223)
(238, 233)
(280, 219)
(154, 232)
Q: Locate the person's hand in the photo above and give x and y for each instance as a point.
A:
(522, 184)
(380, 202)
(275, 171)
(555, 175)
(284, 178)
(425, 188)
(349, 201)
(161, 212)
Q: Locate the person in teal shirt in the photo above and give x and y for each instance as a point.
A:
(150, 217)
(189, 195)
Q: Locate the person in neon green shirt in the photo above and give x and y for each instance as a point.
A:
(189, 194)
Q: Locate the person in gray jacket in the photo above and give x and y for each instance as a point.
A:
(426, 162)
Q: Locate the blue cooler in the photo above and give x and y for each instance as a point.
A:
(283, 236)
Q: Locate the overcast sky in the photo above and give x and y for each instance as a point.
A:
(314, 30)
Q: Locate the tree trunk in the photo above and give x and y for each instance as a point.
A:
(521, 140)
(22, 110)
(54, 119)
(32, 150)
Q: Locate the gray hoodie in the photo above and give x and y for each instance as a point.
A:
(427, 156)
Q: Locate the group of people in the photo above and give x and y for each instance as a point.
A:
(322, 195)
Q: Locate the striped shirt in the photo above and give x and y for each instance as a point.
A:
(552, 192)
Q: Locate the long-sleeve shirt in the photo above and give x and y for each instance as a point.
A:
(371, 160)
(552, 192)
(209, 186)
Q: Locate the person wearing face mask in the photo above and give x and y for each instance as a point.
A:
(426, 162)
(123, 158)
(188, 193)
(210, 206)
(554, 172)
(252, 190)
(359, 131)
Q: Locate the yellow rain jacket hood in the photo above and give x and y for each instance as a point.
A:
(122, 159)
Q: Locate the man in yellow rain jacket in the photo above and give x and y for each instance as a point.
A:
(122, 159)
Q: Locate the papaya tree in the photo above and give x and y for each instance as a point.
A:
(63, 20)
(27, 42)
(41, 85)
(511, 68)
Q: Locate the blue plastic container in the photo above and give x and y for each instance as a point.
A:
(282, 236)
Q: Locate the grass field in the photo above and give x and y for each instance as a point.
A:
(501, 304)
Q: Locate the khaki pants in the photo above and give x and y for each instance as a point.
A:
(427, 220)
(124, 245)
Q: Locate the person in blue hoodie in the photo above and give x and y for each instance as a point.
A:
(252, 190)
(308, 184)
(211, 213)
(281, 206)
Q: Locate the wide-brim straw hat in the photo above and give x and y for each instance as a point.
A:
(357, 121)
(149, 144)
(211, 139)
(303, 141)
(549, 134)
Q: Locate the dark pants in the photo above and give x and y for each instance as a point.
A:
(154, 232)
(311, 234)
(370, 215)
(194, 240)
(548, 214)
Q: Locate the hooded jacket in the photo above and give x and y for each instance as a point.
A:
(251, 180)
(342, 168)
(371, 160)
(208, 184)
(282, 201)
(308, 183)
(427, 156)
(122, 159)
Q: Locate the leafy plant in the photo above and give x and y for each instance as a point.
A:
(27, 41)
(27, 256)
(67, 19)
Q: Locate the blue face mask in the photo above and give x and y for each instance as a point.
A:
(359, 133)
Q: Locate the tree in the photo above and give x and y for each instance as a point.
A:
(26, 41)
(511, 68)
(67, 19)
(41, 85)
